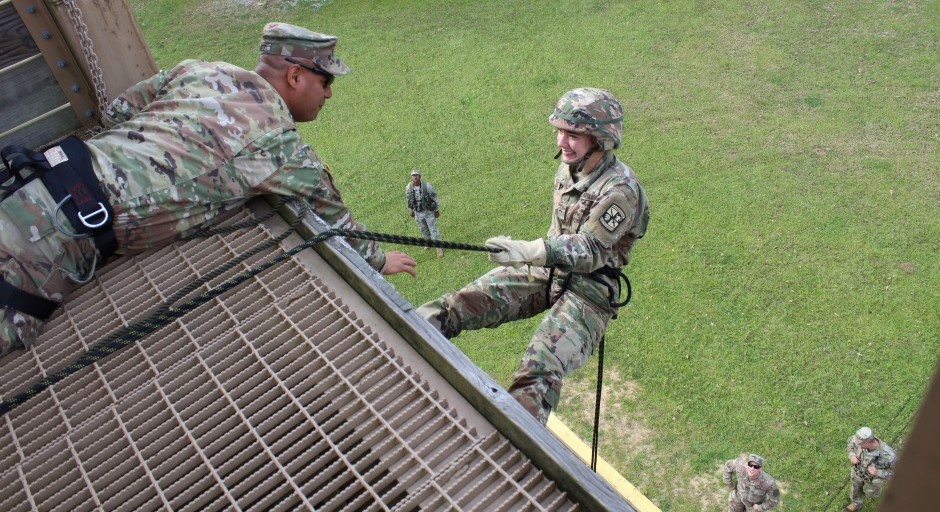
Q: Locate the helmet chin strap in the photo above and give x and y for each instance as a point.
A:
(577, 167)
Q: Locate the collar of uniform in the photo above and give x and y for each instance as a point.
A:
(586, 180)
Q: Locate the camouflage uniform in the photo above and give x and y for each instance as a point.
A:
(180, 150)
(422, 201)
(864, 484)
(745, 492)
(597, 217)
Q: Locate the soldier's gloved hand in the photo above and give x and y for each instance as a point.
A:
(412, 213)
(516, 253)
(731, 485)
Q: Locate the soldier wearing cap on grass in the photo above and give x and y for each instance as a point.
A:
(179, 151)
(425, 209)
(600, 211)
(752, 489)
(872, 466)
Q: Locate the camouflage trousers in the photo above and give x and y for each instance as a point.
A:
(561, 344)
(36, 258)
(865, 488)
(427, 223)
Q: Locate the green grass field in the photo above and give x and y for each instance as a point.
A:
(788, 289)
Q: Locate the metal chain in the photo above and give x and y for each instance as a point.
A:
(88, 49)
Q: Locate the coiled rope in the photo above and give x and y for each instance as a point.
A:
(167, 312)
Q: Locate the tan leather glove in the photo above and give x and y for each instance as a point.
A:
(516, 253)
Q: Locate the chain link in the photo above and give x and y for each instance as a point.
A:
(88, 49)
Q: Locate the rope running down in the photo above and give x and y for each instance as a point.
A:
(167, 312)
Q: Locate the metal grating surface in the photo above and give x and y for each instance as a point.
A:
(277, 396)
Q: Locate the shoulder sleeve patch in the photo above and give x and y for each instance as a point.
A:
(612, 217)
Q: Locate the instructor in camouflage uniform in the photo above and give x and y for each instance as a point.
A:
(752, 489)
(872, 466)
(600, 211)
(425, 209)
(179, 151)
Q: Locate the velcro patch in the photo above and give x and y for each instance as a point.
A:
(612, 217)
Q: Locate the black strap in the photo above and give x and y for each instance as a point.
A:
(25, 302)
(16, 158)
(72, 183)
(612, 296)
(88, 209)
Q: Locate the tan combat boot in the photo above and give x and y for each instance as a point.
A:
(851, 507)
(440, 252)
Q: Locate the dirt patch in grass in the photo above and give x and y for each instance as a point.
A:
(629, 444)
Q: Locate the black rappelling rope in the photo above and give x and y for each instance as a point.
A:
(595, 440)
(167, 312)
(595, 436)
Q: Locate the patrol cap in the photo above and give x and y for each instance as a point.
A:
(864, 434)
(757, 459)
(292, 41)
(415, 172)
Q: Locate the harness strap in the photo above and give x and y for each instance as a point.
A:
(73, 178)
(613, 296)
(25, 302)
(17, 157)
(68, 175)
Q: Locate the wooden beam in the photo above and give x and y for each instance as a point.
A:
(61, 61)
(15, 41)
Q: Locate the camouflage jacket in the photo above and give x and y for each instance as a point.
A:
(191, 143)
(761, 491)
(428, 196)
(883, 458)
(596, 221)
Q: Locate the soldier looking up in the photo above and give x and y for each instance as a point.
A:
(179, 152)
(872, 466)
(425, 208)
(600, 211)
(752, 489)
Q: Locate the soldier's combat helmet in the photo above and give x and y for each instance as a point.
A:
(595, 112)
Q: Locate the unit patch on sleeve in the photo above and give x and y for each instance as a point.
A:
(612, 217)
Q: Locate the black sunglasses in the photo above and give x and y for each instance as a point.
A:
(329, 77)
(752, 465)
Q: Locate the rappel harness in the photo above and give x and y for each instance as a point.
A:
(67, 173)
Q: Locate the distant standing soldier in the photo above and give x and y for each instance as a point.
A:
(752, 489)
(872, 466)
(422, 201)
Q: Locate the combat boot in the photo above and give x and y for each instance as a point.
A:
(851, 507)
(440, 252)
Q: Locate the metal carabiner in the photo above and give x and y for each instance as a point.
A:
(59, 227)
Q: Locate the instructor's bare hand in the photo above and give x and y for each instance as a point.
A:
(397, 261)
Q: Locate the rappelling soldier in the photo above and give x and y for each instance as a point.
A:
(574, 272)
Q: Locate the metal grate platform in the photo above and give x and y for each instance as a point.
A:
(288, 393)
